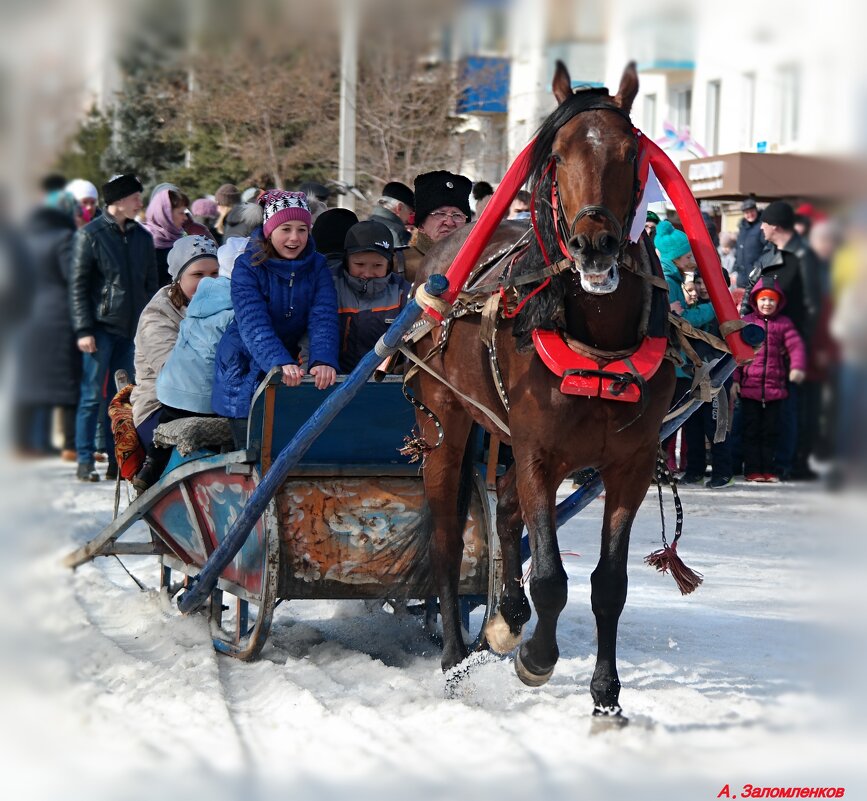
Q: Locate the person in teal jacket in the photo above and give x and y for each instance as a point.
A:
(675, 255)
(677, 260)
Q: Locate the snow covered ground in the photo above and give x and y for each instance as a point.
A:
(109, 693)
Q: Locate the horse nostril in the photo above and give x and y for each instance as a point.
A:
(606, 244)
(579, 243)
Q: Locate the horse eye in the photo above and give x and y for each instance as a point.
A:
(558, 159)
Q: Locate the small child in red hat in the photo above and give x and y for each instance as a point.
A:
(762, 383)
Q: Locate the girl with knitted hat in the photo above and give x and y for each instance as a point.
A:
(763, 383)
(281, 291)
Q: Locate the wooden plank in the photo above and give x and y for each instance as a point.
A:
(268, 427)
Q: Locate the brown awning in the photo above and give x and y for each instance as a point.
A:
(769, 176)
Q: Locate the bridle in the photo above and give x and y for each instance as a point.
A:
(563, 230)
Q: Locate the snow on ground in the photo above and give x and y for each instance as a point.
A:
(109, 693)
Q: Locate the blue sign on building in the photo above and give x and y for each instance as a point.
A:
(484, 85)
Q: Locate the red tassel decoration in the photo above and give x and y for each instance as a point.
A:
(666, 560)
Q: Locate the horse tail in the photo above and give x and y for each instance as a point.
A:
(465, 488)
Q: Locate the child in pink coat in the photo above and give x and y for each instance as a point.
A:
(762, 383)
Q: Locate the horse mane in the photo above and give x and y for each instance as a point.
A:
(546, 308)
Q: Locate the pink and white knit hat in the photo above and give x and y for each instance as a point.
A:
(281, 206)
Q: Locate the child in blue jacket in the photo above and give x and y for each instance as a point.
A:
(281, 290)
(186, 381)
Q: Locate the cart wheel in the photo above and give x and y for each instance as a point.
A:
(240, 626)
(475, 610)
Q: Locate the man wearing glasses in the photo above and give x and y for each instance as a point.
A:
(442, 205)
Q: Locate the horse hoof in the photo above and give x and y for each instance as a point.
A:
(530, 679)
(608, 717)
(499, 635)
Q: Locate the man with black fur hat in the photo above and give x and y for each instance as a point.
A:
(370, 294)
(750, 244)
(442, 205)
(114, 275)
(394, 209)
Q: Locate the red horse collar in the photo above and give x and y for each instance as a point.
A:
(618, 379)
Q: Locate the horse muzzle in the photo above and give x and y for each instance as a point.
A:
(598, 281)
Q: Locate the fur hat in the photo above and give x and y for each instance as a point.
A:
(228, 195)
(81, 189)
(779, 213)
(188, 249)
(120, 186)
(398, 191)
(281, 206)
(433, 190)
(369, 237)
(250, 194)
(204, 207)
(671, 243)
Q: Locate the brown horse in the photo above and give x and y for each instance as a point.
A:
(585, 179)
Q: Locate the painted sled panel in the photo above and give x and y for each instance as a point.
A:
(364, 538)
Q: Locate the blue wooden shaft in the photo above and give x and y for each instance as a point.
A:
(202, 585)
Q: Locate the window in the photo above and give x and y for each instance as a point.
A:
(576, 21)
(682, 108)
(648, 115)
(712, 117)
(790, 89)
(748, 111)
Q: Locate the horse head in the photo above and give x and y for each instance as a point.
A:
(585, 165)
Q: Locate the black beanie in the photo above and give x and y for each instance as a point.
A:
(398, 191)
(779, 213)
(369, 237)
(329, 230)
(433, 190)
(120, 186)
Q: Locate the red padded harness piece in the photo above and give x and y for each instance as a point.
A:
(620, 379)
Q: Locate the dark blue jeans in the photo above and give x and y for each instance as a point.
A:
(112, 353)
(702, 425)
(787, 444)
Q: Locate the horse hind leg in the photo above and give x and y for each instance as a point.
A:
(503, 632)
(447, 486)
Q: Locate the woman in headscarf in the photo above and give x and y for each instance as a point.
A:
(165, 216)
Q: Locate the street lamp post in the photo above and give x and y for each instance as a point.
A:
(348, 81)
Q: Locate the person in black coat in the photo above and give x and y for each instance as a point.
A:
(114, 275)
(750, 243)
(48, 369)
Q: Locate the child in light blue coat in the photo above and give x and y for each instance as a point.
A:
(186, 381)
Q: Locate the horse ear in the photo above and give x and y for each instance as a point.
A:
(628, 88)
(562, 83)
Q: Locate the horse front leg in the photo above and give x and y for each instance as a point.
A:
(447, 494)
(503, 632)
(536, 658)
(625, 489)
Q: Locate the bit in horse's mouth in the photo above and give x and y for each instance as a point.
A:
(600, 283)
